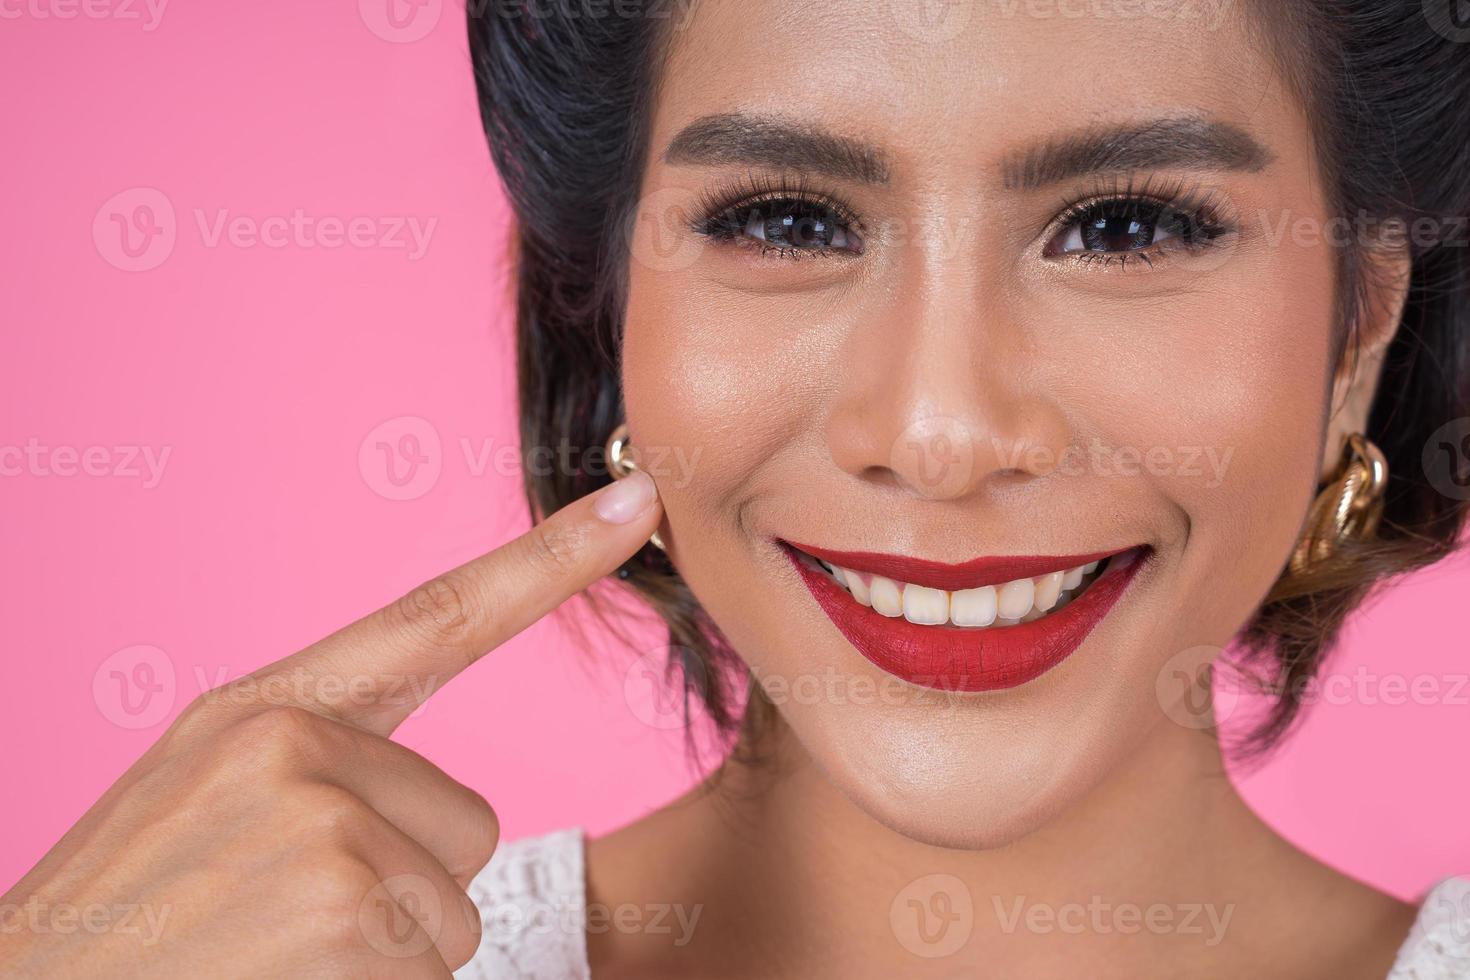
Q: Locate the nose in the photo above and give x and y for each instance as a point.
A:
(937, 395)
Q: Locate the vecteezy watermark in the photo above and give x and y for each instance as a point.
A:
(1099, 459)
(1202, 687)
(1208, 15)
(137, 230)
(665, 688)
(510, 923)
(401, 21)
(1451, 18)
(1360, 686)
(677, 12)
(1099, 916)
(933, 916)
(300, 686)
(401, 916)
(1190, 689)
(406, 21)
(1446, 459)
(1365, 230)
(403, 457)
(941, 21)
(135, 687)
(142, 919)
(938, 696)
(931, 21)
(937, 456)
(149, 13)
(34, 459)
(1452, 901)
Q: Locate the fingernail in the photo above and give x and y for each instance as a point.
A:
(625, 499)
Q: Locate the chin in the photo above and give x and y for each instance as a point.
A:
(969, 780)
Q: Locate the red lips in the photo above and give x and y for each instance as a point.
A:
(952, 658)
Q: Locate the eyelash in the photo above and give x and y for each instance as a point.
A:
(726, 210)
(1198, 215)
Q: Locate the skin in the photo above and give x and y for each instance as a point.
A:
(955, 321)
(275, 830)
(269, 813)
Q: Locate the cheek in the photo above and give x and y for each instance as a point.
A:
(703, 379)
(1223, 402)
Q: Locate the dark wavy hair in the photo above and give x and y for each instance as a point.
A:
(565, 97)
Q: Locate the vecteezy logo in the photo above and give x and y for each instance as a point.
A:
(135, 230)
(135, 687)
(933, 916)
(401, 916)
(400, 21)
(659, 234)
(664, 688)
(401, 459)
(931, 21)
(935, 456)
(1197, 689)
(1451, 18)
(1446, 459)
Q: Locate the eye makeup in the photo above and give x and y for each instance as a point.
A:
(785, 217)
(1113, 224)
(1126, 222)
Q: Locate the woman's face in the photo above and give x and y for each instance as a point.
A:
(1049, 288)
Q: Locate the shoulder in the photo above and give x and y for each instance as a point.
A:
(532, 900)
(1438, 947)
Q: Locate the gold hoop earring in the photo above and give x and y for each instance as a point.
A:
(620, 464)
(1349, 508)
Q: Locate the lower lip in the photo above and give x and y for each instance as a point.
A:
(952, 658)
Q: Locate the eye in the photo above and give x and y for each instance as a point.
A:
(1123, 228)
(790, 226)
(782, 214)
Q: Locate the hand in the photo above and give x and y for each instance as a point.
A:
(275, 830)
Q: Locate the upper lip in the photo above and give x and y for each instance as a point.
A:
(972, 574)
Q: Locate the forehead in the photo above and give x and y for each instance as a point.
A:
(929, 78)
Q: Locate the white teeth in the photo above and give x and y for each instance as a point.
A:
(925, 606)
(1048, 590)
(886, 596)
(1015, 598)
(1019, 601)
(973, 607)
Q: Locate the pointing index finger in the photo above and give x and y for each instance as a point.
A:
(376, 671)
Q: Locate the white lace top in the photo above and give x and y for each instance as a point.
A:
(532, 899)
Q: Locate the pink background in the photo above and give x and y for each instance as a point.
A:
(265, 366)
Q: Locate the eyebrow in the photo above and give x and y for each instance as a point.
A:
(1181, 141)
(1186, 141)
(770, 141)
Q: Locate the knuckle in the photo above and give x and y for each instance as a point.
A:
(457, 945)
(336, 887)
(438, 610)
(281, 737)
(334, 812)
(486, 829)
(557, 548)
(199, 716)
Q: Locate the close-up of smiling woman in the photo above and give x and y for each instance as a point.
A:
(981, 390)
